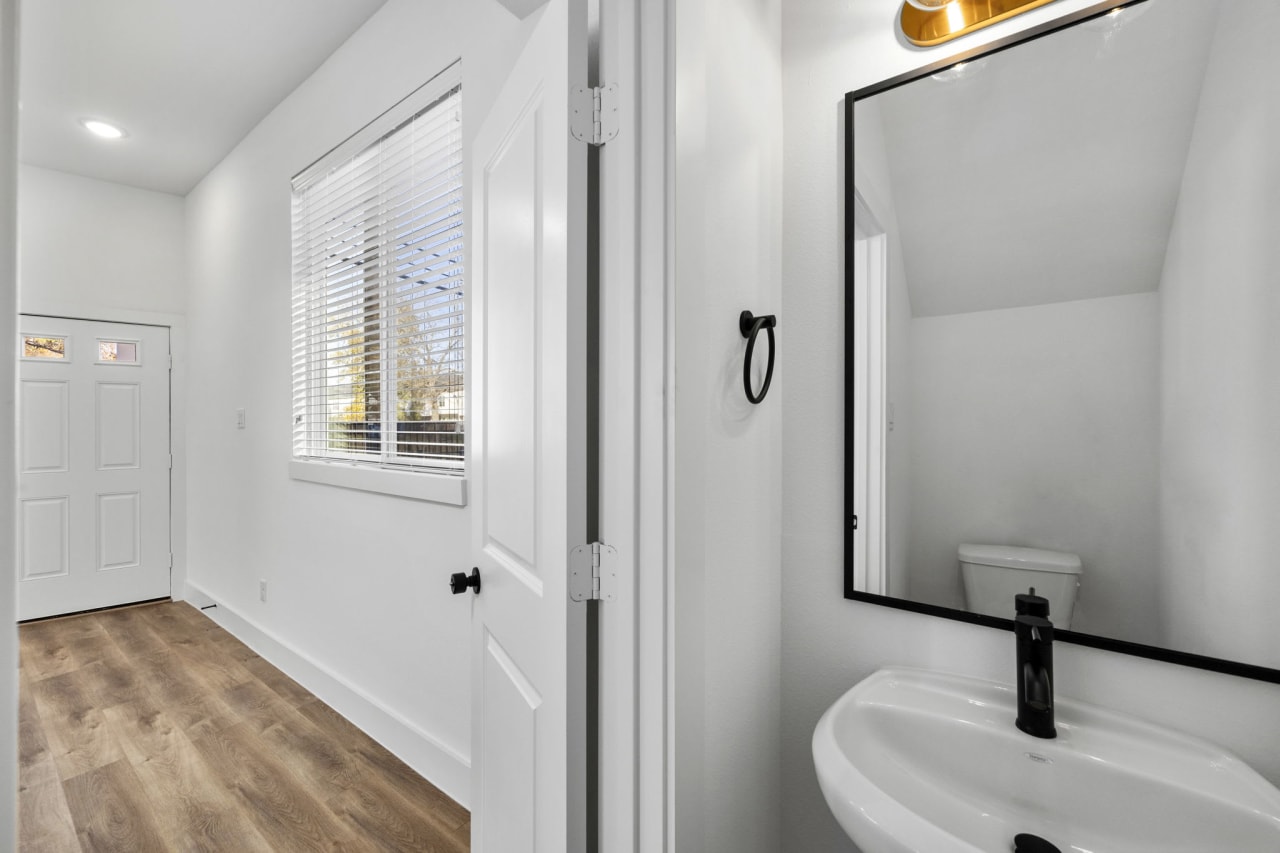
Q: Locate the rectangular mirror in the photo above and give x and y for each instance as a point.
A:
(1063, 334)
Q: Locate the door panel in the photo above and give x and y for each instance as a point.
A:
(119, 531)
(94, 481)
(45, 415)
(511, 730)
(119, 433)
(511, 178)
(46, 544)
(528, 408)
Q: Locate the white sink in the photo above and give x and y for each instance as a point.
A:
(911, 760)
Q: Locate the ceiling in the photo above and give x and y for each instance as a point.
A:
(187, 80)
(1049, 172)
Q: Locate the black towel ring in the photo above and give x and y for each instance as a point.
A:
(750, 326)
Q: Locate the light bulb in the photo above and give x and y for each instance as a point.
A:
(928, 5)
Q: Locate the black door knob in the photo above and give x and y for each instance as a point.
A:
(460, 582)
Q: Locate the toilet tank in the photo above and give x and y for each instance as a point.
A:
(994, 574)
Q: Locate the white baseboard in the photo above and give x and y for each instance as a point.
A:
(442, 766)
(193, 596)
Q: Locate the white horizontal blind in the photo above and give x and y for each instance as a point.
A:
(378, 298)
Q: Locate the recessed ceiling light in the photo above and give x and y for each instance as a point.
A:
(101, 128)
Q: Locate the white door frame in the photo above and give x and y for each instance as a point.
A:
(8, 423)
(870, 322)
(636, 257)
(177, 325)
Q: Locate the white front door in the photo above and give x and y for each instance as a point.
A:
(93, 463)
(528, 386)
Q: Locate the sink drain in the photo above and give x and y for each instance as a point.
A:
(1025, 842)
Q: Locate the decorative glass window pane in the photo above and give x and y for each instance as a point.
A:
(37, 347)
(121, 352)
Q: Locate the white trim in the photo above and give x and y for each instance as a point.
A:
(636, 243)
(418, 485)
(657, 616)
(443, 766)
(871, 260)
(8, 423)
(620, 757)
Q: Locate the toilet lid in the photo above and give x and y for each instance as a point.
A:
(1013, 557)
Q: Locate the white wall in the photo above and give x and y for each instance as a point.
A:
(94, 247)
(1040, 427)
(356, 580)
(1221, 399)
(829, 643)
(728, 205)
(8, 386)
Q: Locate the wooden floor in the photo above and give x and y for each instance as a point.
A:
(152, 729)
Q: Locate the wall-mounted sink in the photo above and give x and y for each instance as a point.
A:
(925, 762)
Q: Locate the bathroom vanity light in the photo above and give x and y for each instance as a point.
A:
(102, 128)
(930, 22)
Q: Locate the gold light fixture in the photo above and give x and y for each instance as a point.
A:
(929, 22)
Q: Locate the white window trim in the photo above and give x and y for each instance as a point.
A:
(415, 484)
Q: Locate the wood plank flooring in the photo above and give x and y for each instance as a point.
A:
(151, 728)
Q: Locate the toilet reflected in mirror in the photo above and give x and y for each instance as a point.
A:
(994, 574)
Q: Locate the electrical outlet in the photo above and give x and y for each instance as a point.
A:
(262, 590)
(239, 418)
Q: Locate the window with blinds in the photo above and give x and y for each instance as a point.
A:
(378, 291)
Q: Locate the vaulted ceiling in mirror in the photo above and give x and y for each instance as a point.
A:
(1078, 165)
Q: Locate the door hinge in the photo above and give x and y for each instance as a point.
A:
(170, 461)
(171, 559)
(593, 114)
(171, 362)
(593, 573)
(855, 522)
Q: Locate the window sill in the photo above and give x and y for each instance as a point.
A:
(417, 485)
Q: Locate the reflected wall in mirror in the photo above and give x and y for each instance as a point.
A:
(1064, 333)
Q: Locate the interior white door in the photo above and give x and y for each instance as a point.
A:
(93, 463)
(528, 388)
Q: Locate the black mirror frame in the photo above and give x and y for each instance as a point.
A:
(1229, 667)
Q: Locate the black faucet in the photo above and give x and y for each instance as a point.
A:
(1034, 634)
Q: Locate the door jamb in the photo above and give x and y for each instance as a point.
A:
(871, 406)
(636, 242)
